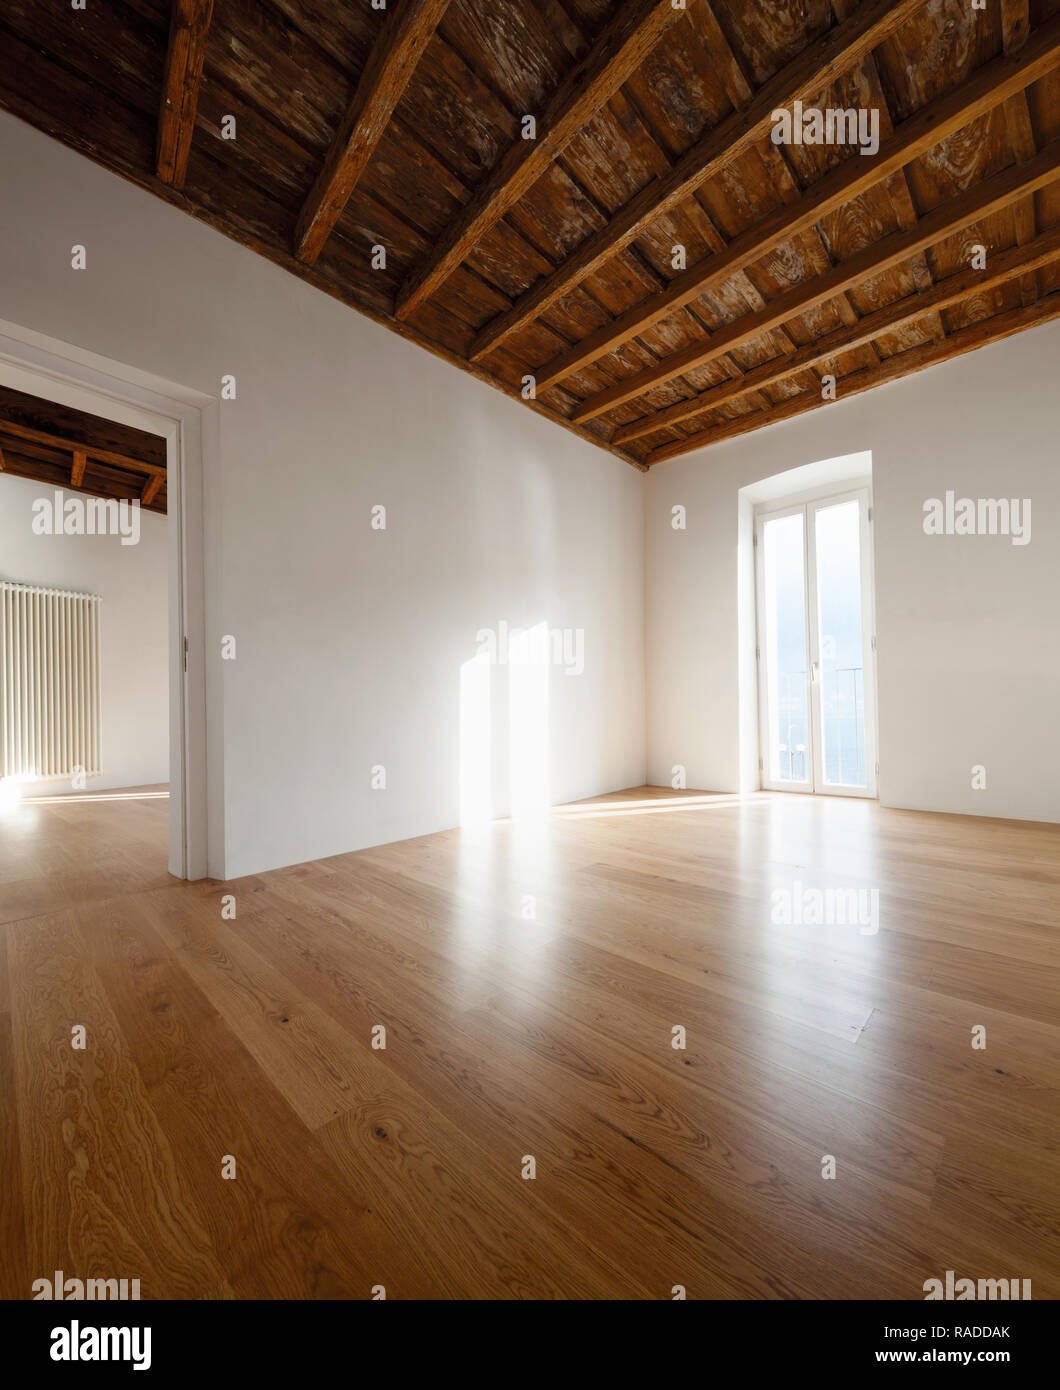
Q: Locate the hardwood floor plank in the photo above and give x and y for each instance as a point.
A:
(15, 1277)
(104, 1196)
(490, 1235)
(318, 1067)
(288, 1226)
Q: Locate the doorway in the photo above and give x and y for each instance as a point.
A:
(187, 421)
(816, 645)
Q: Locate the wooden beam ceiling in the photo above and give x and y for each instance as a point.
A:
(975, 203)
(54, 441)
(818, 65)
(74, 449)
(629, 38)
(550, 258)
(967, 339)
(1006, 266)
(393, 60)
(984, 90)
(189, 22)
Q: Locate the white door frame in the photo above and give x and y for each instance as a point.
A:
(188, 421)
(808, 504)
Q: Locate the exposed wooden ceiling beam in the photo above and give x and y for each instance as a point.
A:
(890, 369)
(1002, 267)
(977, 202)
(990, 86)
(1, 460)
(150, 491)
(805, 76)
(623, 46)
(189, 21)
(106, 482)
(77, 470)
(390, 65)
(55, 441)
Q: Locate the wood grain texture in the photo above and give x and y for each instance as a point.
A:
(83, 115)
(150, 491)
(805, 76)
(25, 432)
(976, 203)
(180, 88)
(74, 449)
(356, 1166)
(989, 87)
(929, 354)
(1006, 266)
(382, 85)
(633, 33)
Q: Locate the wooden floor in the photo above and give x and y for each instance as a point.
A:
(529, 979)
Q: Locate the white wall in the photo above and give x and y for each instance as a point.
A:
(968, 627)
(133, 581)
(349, 640)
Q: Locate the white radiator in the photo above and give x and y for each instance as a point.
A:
(51, 722)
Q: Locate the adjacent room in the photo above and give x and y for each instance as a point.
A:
(529, 548)
(84, 579)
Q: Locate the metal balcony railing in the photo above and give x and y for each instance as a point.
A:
(842, 718)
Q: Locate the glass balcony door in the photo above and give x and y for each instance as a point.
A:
(815, 647)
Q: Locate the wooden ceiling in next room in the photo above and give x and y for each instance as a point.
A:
(586, 196)
(70, 448)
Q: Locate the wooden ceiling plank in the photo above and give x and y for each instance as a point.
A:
(11, 427)
(77, 469)
(189, 21)
(891, 369)
(993, 195)
(1007, 265)
(623, 46)
(986, 89)
(806, 75)
(390, 66)
(54, 457)
(1015, 24)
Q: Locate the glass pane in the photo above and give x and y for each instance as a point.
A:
(785, 615)
(838, 532)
